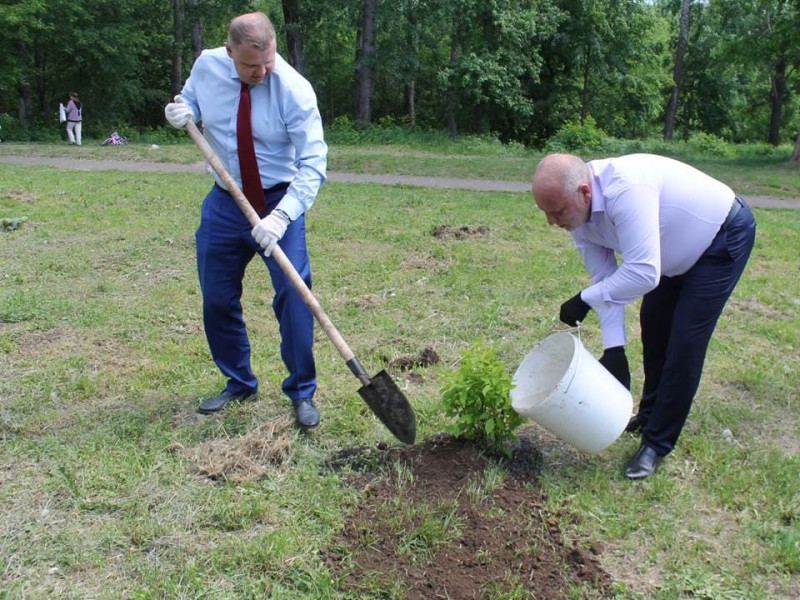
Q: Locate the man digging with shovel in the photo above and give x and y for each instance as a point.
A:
(261, 118)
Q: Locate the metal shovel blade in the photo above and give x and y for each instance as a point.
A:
(390, 405)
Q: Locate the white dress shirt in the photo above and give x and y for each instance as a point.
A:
(287, 128)
(659, 215)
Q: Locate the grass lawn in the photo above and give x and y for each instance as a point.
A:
(105, 484)
(756, 175)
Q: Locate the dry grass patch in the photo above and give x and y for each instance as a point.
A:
(266, 449)
(21, 196)
(102, 354)
(369, 300)
(425, 262)
(747, 307)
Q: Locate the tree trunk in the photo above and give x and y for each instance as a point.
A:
(587, 59)
(412, 50)
(677, 72)
(197, 32)
(796, 153)
(24, 104)
(452, 95)
(177, 46)
(409, 99)
(294, 35)
(41, 84)
(777, 95)
(365, 65)
(23, 88)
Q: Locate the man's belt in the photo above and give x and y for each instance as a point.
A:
(737, 205)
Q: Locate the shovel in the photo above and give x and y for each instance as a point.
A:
(380, 393)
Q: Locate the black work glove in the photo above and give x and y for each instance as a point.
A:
(616, 363)
(574, 310)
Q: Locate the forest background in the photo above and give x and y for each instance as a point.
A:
(514, 70)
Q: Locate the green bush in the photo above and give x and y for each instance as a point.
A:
(477, 396)
(577, 137)
(11, 130)
(709, 144)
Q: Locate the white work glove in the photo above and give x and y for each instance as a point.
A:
(178, 113)
(270, 229)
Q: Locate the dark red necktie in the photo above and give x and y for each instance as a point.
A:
(251, 180)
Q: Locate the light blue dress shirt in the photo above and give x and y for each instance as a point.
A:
(287, 128)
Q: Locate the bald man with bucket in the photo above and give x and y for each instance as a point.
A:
(651, 227)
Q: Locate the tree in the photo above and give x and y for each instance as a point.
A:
(606, 60)
(678, 71)
(294, 34)
(366, 54)
(197, 30)
(763, 34)
(411, 64)
(177, 46)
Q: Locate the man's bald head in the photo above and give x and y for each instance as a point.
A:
(562, 189)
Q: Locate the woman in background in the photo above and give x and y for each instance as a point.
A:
(74, 118)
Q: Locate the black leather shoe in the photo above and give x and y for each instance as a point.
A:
(306, 414)
(217, 404)
(643, 464)
(636, 423)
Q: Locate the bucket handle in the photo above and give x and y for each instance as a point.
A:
(576, 358)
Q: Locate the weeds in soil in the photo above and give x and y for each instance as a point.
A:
(103, 362)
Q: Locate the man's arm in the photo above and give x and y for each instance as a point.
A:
(304, 126)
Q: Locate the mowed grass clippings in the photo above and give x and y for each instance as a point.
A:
(103, 488)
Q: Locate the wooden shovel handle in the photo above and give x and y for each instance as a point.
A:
(277, 253)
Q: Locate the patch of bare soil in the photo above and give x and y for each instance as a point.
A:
(494, 535)
(460, 232)
(426, 358)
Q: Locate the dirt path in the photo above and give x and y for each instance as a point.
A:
(335, 177)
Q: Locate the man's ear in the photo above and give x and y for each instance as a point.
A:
(228, 48)
(586, 192)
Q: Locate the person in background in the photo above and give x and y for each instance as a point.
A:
(74, 119)
(683, 238)
(280, 167)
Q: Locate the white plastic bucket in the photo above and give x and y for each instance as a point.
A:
(562, 387)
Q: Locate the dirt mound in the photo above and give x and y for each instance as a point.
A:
(441, 520)
(459, 233)
(427, 357)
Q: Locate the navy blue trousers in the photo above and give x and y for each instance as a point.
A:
(224, 249)
(677, 320)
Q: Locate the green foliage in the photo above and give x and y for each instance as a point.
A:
(11, 130)
(711, 145)
(11, 224)
(575, 136)
(508, 69)
(477, 396)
